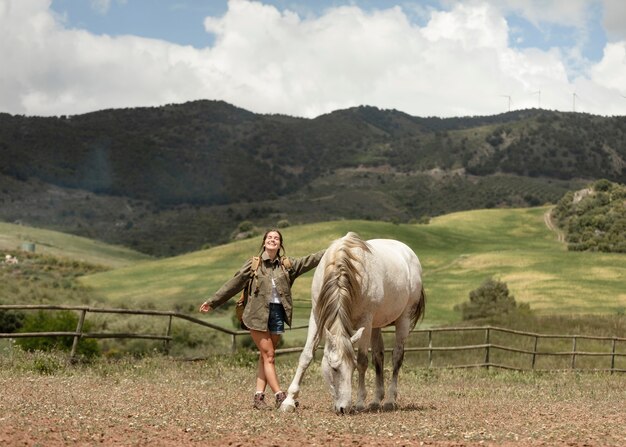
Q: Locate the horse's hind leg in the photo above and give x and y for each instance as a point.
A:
(402, 332)
(378, 360)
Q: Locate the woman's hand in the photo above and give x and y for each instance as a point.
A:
(205, 307)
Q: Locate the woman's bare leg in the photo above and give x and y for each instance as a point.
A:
(266, 374)
(261, 382)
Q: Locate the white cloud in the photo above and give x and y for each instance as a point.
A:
(560, 12)
(610, 72)
(615, 19)
(103, 6)
(271, 61)
(100, 6)
(473, 26)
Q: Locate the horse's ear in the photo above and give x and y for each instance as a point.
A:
(357, 335)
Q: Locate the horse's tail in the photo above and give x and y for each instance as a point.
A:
(340, 292)
(420, 308)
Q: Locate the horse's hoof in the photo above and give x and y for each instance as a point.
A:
(358, 408)
(288, 407)
(390, 406)
(374, 406)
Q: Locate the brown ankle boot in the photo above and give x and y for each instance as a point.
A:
(259, 402)
(280, 397)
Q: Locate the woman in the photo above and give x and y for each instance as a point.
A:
(269, 305)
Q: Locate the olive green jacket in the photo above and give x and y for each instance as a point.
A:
(256, 313)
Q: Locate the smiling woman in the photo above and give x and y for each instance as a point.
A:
(268, 279)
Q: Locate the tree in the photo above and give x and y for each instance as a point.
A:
(491, 299)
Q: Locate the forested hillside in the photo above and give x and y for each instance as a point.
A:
(594, 218)
(171, 179)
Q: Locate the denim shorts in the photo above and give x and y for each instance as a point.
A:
(276, 322)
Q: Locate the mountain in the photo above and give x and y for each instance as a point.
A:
(170, 179)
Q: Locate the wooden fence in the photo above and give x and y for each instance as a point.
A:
(611, 348)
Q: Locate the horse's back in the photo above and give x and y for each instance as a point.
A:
(393, 279)
(387, 256)
(395, 257)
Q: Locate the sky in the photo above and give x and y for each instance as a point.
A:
(306, 58)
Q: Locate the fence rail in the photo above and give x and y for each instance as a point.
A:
(487, 346)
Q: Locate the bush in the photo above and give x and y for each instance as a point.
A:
(245, 226)
(11, 321)
(490, 300)
(594, 219)
(62, 321)
(245, 230)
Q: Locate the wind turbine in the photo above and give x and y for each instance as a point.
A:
(574, 101)
(508, 96)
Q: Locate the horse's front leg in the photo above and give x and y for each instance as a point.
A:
(378, 361)
(289, 404)
(361, 366)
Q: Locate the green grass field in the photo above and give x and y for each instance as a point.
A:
(458, 252)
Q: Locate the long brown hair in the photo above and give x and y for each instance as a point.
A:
(278, 254)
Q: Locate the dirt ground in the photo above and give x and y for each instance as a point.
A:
(163, 403)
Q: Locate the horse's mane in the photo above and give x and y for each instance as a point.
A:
(340, 292)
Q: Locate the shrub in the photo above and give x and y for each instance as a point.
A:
(424, 220)
(46, 364)
(62, 321)
(11, 321)
(490, 300)
(245, 226)
(245, 230)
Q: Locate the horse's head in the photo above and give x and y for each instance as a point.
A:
(337, 367)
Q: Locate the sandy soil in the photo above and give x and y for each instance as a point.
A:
(209, 404)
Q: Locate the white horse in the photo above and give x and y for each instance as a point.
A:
(358, 288)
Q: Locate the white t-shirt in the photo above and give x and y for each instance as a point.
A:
(275, 298)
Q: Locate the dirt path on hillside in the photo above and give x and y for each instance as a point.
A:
(547, 218)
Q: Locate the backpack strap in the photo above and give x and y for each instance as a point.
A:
(286, 262)
(286, 265)
(256, 260)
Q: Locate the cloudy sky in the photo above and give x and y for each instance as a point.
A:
(305, 58)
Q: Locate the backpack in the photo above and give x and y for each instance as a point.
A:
(240, 306)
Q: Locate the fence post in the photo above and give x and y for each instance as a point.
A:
(535, 352)
(79, 333)
(430, 349)
(574, 352)
(168, 333)
(613, 356)
(487, 343)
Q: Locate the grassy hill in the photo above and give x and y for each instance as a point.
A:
(458, 252)
(71, 247)
(174, 179)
